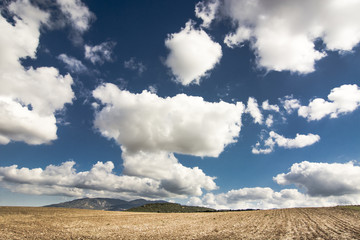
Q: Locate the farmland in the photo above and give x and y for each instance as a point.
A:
(297, 223)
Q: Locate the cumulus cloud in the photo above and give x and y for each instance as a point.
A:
(266, 106)
(252, 198)
(192, 54)
(150, 129)
(253, 109)
(290, 104)
(283, 34)
(152, 89)
(206, 11)
(323, 179)
(159, 175)
(29, 97)
(72, 64)
(267, 198)
(237, 38)
(325, 184)
(132, 64)
(300, 141)
(101, 53)
(182, 124)
(64, 180)
(164, 167)
(269, 120)
(77, 13)
(18, 123)
(342, 100)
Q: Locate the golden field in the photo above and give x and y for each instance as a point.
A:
(297, 223)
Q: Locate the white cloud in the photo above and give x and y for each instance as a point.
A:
(253, 109)
(18, 123)
(135, 65)
(325, 184)
(98, 54)
(269, 145)
(64, 180)
(241, 35)
(290, 104)
(194, 201)
(269, 120)
(266, 198)
(300, 141)
(192, 54)
(206, 11)
(323, 179)
(152, 89)
(72, 64)
(29, 97)
(266, 106)
(164, 167)
(342, 100)
(253, 198)
(150, 176)
(182, 124)
(150, 129)
(77, 13)
(282, 34)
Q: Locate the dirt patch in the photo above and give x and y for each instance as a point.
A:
(300, 223)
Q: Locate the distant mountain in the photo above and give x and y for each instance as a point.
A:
(169, 208)
(108, 204)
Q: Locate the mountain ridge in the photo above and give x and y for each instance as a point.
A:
(108, 204)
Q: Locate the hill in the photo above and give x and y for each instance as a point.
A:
(108, 204)
(169, 208)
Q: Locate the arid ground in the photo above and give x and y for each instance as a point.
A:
(59, 223)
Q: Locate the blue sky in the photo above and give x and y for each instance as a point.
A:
(226, 104)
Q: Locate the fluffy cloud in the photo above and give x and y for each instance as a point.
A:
(325, 184)
(269, 120)
(266, 198)
(342, 100)
(192, 54)
(65, 180)
(241, 35)
(72, 64)
(299, 141)
(18, 123)
(164, 167)
(182, 124)
(150, 129)
(290, 104)
(29, 97)
(266, 106)
(253, 109)
(207, 11)
(135, 65)
(98, 54)
(282, 34)
(159, 175)
(323, 179)
(77, 13)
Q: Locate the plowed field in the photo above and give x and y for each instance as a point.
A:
(300, 223)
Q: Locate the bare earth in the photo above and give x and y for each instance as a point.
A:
(301, 223)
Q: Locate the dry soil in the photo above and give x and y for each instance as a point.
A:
(300, 223)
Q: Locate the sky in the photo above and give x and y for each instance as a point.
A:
(220, 103)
